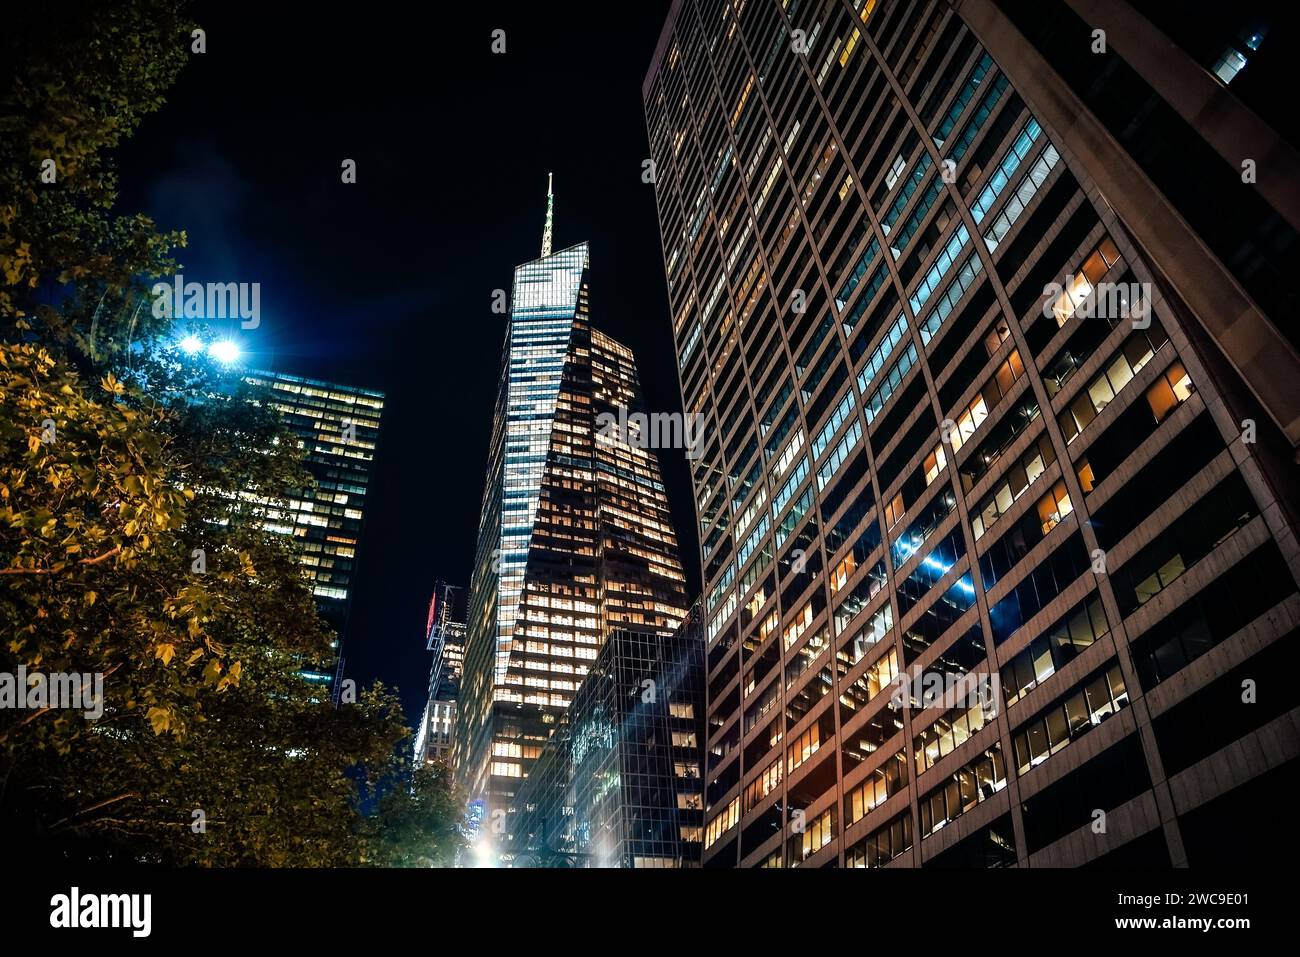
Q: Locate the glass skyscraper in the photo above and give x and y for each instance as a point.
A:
(575, 538)
(338, 426)
(995, 340)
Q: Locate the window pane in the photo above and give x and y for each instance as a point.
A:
(1119, 373)
(1042, 660)
(1057, 731)
(1076, 713)
(1083, 410)
(1161, 398)
(1099, 703)
(1137, 350)
(1100, 393)
(1037, 741)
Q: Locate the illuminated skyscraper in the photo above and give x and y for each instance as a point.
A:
(446, 639)
(338, 426)
(995, 333)
(575, 538)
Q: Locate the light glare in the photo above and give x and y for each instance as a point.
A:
(224, 351)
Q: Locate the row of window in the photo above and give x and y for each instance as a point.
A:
(1090, 703)
(1077, 631)
(966, 788)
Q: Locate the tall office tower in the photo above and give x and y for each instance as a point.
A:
(992, 399)
(338, 425)
(619, 782)
(575, 538)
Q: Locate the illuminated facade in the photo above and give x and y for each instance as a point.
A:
(999, 368)
(338, 425)
(446, 639)
(575, 538)
(437, 729)
(619, 783)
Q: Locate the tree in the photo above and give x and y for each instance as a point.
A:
(211, 748)
(80, 76)
(401, 835)
(136, 488)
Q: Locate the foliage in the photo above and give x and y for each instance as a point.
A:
(204, 707)
(136, 490)
(401, 833)
(79, 77)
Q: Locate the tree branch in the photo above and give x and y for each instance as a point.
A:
(48, 571)
(93, 808)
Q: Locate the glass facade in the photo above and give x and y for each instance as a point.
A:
(619, 783)
(962, 424)
(338, 426)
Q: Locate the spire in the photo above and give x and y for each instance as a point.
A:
(550, 213)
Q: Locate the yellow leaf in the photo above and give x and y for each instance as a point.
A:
(165, 651)
(160, 719)
(90, 597)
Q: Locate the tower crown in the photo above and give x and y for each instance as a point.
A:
(550, 217)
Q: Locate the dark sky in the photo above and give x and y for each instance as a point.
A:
(388, 283)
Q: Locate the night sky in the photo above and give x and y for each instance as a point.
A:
(388, 283)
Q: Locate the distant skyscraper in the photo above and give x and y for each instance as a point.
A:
(619, 782)
(446, 639)
(994, 330)
(433, 740)
(338, 425)
(575, 538)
